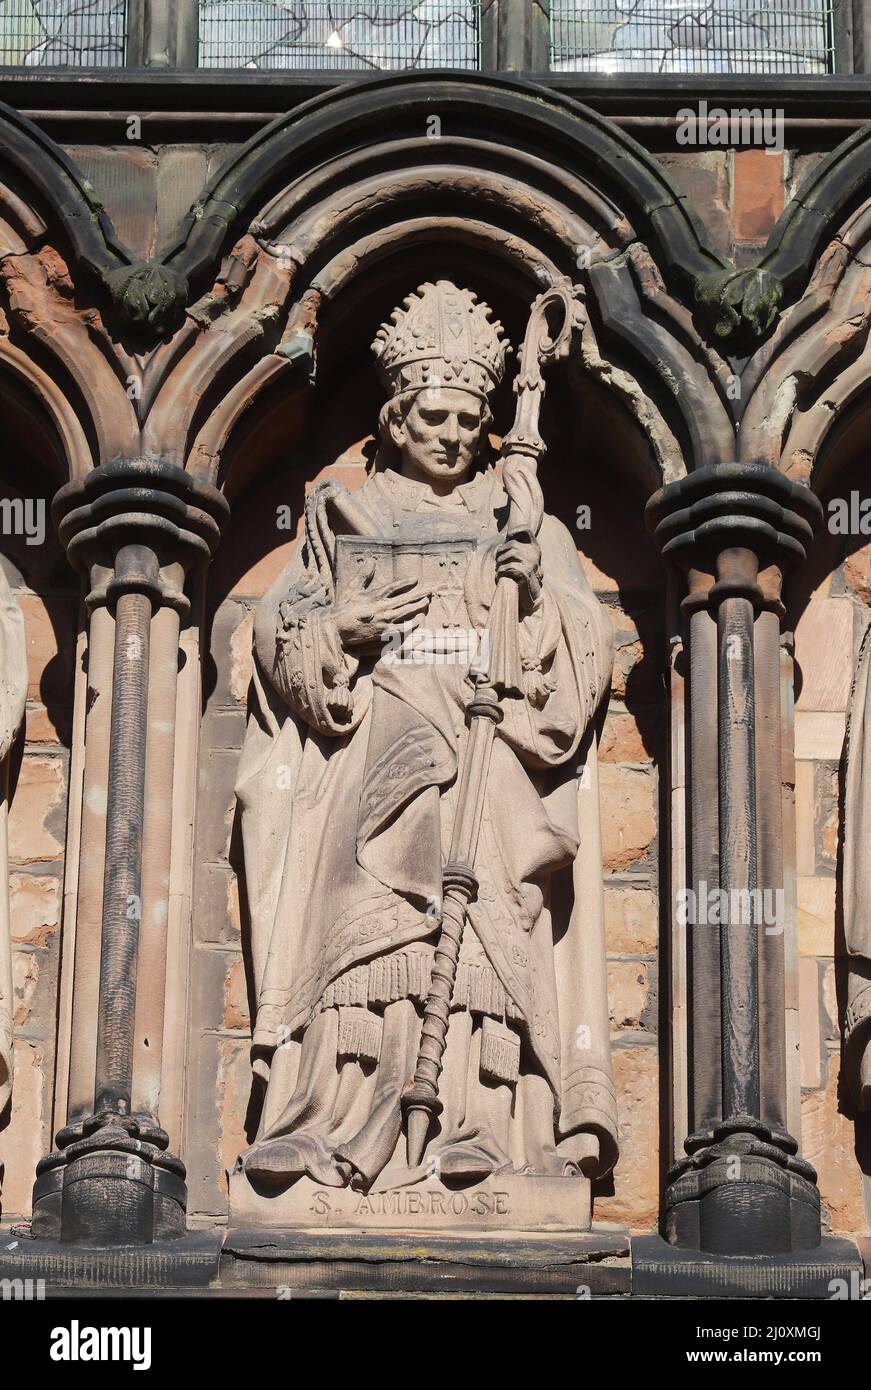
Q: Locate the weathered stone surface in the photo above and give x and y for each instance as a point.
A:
(816, 916)
(50, 636)
(25, 981)
(34, 832)
(182, 171)
(628, 652)
(831, 1010)
(628, 797)
(636, 1184)
(218, 920)
(236, 1012)
(829, 816)
(241, 661)
(704, 178)
(829, 1142)
(622, 740)
(799, 167)
(819, 736)
(216, 813)
(757, 193)
(857, 573)
(628, 992)
(824, 654)
(631, 920)
(34, 903)
(809, 1018)
(125, 179)
(805, 819)
(39, 727)
(25, 1138)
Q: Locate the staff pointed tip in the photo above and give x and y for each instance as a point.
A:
(417, 1126)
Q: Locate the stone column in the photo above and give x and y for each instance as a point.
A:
(515, 35)
(134, 528)
(732, 531)
(162, 33)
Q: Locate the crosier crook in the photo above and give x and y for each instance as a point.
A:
(554, 317)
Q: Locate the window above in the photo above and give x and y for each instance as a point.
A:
(339, 34)
(605, 36)
(63, 33)
(761, 36)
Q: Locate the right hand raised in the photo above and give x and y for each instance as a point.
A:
(367, 614)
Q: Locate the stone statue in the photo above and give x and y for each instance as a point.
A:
(856, 887)
(368, 649)
(13, 694)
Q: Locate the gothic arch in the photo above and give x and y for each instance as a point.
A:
(345, 201)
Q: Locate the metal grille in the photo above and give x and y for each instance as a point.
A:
(318, 34)
(762, 36)
(63, 33)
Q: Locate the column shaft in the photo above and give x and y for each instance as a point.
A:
(704, 851)
(156, 857)
(739, 978)
(89, 902)
(122, 882)
(769, 840)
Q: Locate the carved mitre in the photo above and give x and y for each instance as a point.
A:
(441, 336)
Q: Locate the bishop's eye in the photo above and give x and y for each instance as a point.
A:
(468, 422)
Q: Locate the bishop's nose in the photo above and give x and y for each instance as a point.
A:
(450, 431)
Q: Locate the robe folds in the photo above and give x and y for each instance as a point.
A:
(347, 788)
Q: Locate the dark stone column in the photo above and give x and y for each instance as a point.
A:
(134, 528)
(733, 531)
(162, 33)
(703, 939)
(515, 35)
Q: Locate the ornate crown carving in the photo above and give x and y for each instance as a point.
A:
(441, 336)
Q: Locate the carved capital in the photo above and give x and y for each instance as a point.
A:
(733, 530)
(138, 525)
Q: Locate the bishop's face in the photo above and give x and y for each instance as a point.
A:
(439, 437)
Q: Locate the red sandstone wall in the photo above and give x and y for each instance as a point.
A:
(48, 595)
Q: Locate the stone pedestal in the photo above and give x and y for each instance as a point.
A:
(513, 1203)
(588, 1264)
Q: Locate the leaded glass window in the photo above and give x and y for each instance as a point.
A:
(763, 36)
(339, 34)
(63, 33)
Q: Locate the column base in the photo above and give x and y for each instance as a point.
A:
(659, 1270)
(110, 1181)
(187, 1265)
(743, 1195)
